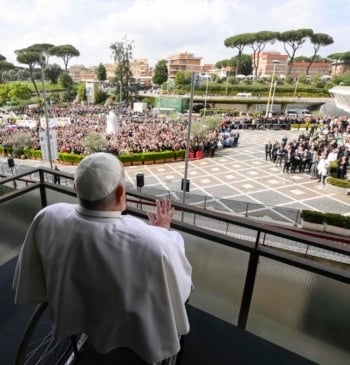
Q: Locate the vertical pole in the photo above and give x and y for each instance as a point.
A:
(206, 96)
(273, 97)
(45, 110)
(271, 85)
(188, 140)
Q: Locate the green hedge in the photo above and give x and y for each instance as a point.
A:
(340, 183)
(73, 158)
(333, 219)
(312, 216)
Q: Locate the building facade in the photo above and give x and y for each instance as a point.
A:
(183, 62)
(80, 73)
(269, 60)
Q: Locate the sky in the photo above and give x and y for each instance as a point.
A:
(161, 28)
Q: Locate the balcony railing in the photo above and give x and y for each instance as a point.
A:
(286, 287)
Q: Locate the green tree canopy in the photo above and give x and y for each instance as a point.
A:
(66, 52)
(318, 40)
(294, 39)
(242, 63)
(66, 81)
(183, 78)
(101, 72)
(95, 142)
(160, 74)
(5, 66)
(122, 55)
(21, 139)
(81, 90)
(31, 59)
(258, 43)
(52, 73)
(238, 41)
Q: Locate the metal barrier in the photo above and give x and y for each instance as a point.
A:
(254, 262)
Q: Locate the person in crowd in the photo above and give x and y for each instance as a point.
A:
(315, 157)
(280, 152)
(268, 151)
(116, 278)
(57, 179)
(342, 167)
(322, 168)
(287, 160)
(306, 160)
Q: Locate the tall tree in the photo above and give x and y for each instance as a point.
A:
(295, 40)
(160, 74)
(5, 66)
(318, 40)
(257, 42)
(31, 59)
(32, 56)
(238, 41)
(101, 72)
(43, 49)
(122, 55)
(66, 52)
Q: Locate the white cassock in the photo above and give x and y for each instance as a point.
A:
(114, 277)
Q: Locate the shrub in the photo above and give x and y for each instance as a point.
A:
(127, 158)
(338, 220)
(312, 216)
(71, 158)
(333, 168)
(332, 219)
(340, 183)
(180, 155)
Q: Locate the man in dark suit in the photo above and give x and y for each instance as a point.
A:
(268, 150)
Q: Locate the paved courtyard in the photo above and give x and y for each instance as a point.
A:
(241, 173)
(238, 174)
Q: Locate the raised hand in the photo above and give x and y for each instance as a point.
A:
(164, 214)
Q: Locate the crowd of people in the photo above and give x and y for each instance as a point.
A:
(314, 151)
(325, 140)
(141, 132)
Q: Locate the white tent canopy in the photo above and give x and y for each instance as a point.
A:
(341, 95)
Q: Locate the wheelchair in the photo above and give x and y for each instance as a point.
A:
(38, 347)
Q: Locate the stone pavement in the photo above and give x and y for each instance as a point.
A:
(239, 173)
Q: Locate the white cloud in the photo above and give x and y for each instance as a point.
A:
(160, 28)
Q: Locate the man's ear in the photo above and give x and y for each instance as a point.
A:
(120, 193)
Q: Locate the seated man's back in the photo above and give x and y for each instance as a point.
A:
(120, 280)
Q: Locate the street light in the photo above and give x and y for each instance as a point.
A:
(206, 94)
(42, 65)
(185, 182)
(275, 63)
(273, 97)
(296, 87)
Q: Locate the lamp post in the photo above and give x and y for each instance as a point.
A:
(188, 140)
(275, 63)
(296, 87)
(273, 97)
(206, 94)
(42, 64)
